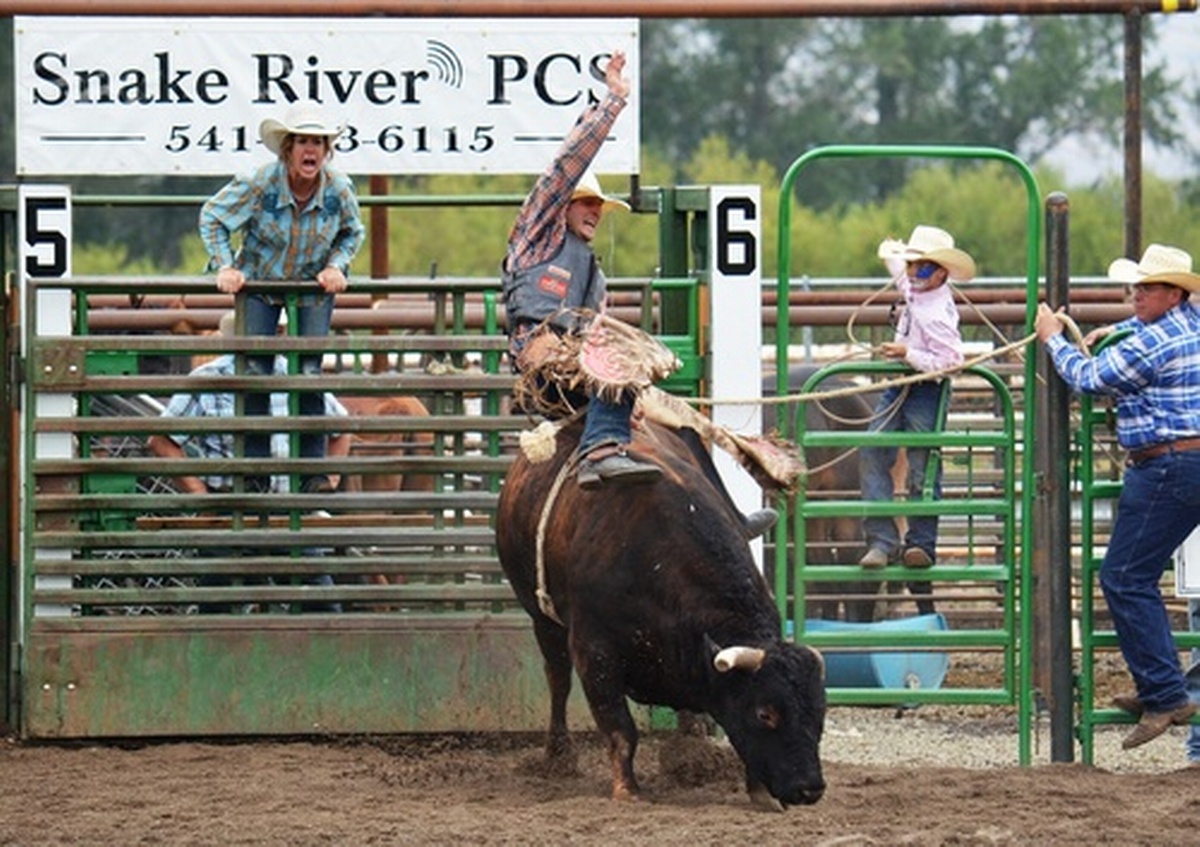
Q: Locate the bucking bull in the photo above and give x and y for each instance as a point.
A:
(651, 592)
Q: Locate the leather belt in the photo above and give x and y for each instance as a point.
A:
(1183, 445)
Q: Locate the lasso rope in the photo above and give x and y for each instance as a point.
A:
(851, 390)
(818, 397)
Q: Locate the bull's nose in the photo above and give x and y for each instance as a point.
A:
(812, 795)
(806, 796)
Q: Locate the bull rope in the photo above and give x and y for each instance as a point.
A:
(545, 601)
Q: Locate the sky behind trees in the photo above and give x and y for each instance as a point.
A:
(1178, 44)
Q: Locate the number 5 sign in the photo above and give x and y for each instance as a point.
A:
(44, 221)
(735, 292)
(44, 252)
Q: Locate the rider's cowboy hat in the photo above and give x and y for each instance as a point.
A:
(589, 186)
(300, 120)
(1159, 263)
(930, 244)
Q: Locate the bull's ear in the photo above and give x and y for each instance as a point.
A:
(711, 646)
(820, 658)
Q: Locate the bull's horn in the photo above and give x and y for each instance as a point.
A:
(746, 658)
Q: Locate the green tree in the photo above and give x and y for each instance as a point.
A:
(777, 88)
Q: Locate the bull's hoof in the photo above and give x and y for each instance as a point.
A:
(561, 758)
(762, 800)
(625, 794)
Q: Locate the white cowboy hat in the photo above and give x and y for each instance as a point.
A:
(300, 120)
(589, 186)
(932, 245)
(1159, 263)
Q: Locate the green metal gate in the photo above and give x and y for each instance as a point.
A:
(429, 637)
(982, 498)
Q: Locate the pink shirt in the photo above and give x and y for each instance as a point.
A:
(928, 325)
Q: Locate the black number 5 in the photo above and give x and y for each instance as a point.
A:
(36, 236)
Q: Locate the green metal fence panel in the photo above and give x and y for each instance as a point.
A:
(127, 632)
(1008, 564)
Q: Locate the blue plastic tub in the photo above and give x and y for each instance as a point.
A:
(860, 669)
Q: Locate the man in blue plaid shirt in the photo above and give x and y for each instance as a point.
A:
(1154, 374)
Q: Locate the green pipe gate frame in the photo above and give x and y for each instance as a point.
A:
(1012, 570)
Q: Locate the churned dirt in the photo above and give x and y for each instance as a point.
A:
(937, 775)
(495, 790)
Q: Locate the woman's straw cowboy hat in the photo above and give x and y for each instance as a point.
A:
(300, 120)
(1159, 263)
(930, 244)
(589, 186)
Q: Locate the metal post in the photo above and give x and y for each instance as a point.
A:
(380, 258)
(1052, 552)
(9, 484)
(1133, 133)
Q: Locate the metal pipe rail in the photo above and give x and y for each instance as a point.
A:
(592, 8)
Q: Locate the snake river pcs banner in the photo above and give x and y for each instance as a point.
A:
(160, 96)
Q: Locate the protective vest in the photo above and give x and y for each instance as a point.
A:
(570, 279)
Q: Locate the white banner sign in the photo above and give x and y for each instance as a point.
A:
(186, 95)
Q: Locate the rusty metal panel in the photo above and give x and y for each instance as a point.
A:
(58, 365)
(239, 680)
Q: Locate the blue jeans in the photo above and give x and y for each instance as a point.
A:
(918, 413)
(1159, 507)
(1193, 681)
(607, 423)
(262, 318)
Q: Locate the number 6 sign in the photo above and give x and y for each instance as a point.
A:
(735, 239)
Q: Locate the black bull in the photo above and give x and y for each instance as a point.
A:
(834, 472)
(660, 600)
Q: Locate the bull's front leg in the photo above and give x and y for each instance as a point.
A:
(604, 688)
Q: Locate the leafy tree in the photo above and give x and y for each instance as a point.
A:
(779, 87)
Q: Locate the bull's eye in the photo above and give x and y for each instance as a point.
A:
(768, 716)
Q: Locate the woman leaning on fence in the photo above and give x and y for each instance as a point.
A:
(299, 221)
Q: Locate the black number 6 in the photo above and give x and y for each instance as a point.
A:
(727, 238)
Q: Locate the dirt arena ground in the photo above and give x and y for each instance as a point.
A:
(936, 775)
(493, 790)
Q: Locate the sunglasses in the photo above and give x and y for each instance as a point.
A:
(924, 269)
